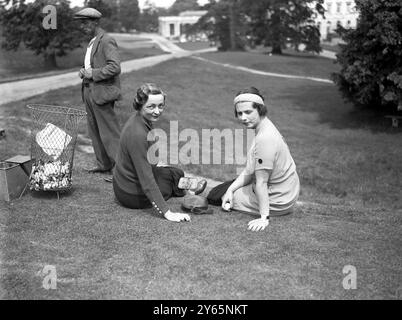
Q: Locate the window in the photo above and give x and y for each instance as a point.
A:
(328, 31)
(348, 7)
(338, 7)
(171, 29)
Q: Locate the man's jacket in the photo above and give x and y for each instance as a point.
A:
(105, 63)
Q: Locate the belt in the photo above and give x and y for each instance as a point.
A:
(86, 83)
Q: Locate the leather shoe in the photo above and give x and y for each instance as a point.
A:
(96, 170)
(192, 184)
(201, 185)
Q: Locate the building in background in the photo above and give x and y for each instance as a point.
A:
(338, 12)
(174, 27)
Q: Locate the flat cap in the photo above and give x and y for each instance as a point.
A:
(87, 13)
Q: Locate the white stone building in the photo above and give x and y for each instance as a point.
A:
(337, 12)
(341, 12)
(172, 27)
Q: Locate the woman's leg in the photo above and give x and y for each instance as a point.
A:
(215, 195)
(245, 199)
(167, 179)
(129, 200)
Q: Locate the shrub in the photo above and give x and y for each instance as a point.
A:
(371, 58)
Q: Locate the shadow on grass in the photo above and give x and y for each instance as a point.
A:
(51, 195)
(327, 102)
(298, 55)
(290, 53)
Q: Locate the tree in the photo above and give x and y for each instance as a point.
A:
(277, 22)
(270, 22)
(110, 21)
(183, 5)
(371, 59)
(129, 14)
(22, 23)
(149, 17)
(225, 23)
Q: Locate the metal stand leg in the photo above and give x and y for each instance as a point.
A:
(23, 191)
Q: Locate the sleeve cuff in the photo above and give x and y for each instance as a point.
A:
(95, 75)
(158, 209)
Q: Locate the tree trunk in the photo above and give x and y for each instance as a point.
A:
(232, 27)
(276, 49)
(276, 30)
(50, 60)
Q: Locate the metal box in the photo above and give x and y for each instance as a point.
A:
(24, 161)
(14, 176)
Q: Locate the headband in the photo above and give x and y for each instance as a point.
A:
(248, 97)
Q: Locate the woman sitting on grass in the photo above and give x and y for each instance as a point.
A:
(136, 182)
(269, 185)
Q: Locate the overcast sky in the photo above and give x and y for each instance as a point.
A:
(158, 3)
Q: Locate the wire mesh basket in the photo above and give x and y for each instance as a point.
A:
(53, 140)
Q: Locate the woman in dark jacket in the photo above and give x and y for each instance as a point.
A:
(136, 182)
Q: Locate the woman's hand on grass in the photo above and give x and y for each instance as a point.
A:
(177, 216)
(227, 201)
(258, 224)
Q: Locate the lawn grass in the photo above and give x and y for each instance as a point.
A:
(194, 46)
(290, 62)
(24, 64)
(350, 172)
(329, 47)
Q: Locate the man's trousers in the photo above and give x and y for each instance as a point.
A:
(103, 129)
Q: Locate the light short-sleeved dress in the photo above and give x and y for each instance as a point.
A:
(269, 151)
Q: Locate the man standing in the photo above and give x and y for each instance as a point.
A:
(100, 89)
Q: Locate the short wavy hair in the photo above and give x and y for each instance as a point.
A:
(261, 108)
(143, 93)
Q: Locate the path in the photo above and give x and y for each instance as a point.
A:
(18, 90)
(264, 73)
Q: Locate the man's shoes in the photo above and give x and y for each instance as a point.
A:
(96, 170)
(193, 185)
(201, 185)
